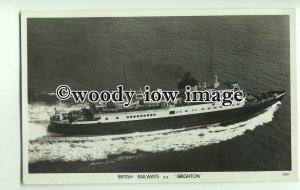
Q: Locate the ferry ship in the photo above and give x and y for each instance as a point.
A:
(114, 118)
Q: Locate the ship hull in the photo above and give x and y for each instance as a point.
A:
(201, 119)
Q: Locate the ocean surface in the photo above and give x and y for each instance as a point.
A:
(89, 53)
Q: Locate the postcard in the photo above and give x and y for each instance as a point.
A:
(158, 96)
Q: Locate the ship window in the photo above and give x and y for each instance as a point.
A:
(215, 107)
(137, 116)
(220, 107)
(117, 117)
(186, 111)
(147, 114)
(141, 115)
(213, 104)
(172, 112)
(127, 116)
(134, 116)
(154, 114)
(237, 103)
(150, 114)
(180, 111)
(106, 118)
(202, 108)
(195, 109)
(130, 116)
(209, 108)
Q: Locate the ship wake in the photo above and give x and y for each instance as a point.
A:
(48, 147)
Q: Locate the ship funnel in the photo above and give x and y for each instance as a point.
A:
(187, 80)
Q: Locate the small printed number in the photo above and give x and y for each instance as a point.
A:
(285, 174)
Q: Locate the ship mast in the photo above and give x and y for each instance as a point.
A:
(211, 78)
(125, 77)
(210, 73)
(211, 59)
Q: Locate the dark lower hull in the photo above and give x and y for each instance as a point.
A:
(225, 116)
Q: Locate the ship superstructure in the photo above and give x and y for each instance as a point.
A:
(111, 118)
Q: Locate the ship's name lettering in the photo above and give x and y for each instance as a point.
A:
(188, 175)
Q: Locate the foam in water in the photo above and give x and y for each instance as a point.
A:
(59, 148)
(39, 114)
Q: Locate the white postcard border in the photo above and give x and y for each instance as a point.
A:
(80, 178)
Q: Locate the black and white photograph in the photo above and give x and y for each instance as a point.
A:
(134, 97)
